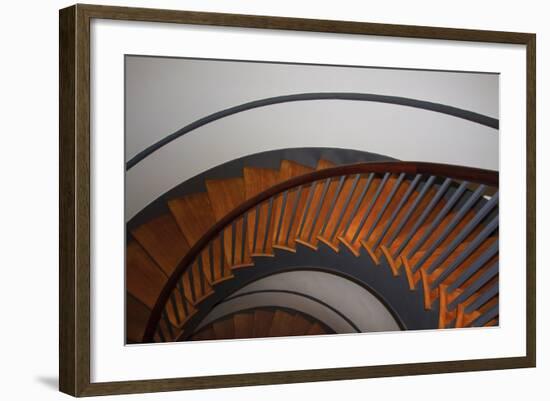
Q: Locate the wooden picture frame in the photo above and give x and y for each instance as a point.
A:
(74, 206)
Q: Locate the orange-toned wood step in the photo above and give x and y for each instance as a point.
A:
(215, 265)
(374, 238)
(204, 334)
(428, 279)
(476, 294)
(287, 231)
(312, 220)
(163, 241)
(244, 324)
(352, 237)
(467, 262)
(315, 329)
(145, 281)
(224, 328)
(324, 164)
(372, 222)
(257, 180)
(299, 325)
(137, 316)
(342, 210)
(195, 284)
(195, 216)
(262, 323)
(280, 325)
(144, 278)
(225, 196)
(412, 221)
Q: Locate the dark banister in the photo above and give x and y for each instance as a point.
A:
(486, 177)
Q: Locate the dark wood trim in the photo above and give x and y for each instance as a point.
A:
(67, 176)
(480, 176)
(74, 145)
(531, 240)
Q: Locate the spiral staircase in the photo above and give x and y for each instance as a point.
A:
(434, 225)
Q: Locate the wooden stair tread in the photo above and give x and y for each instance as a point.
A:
(144, 278)
(347, 238)
(315, 329)
(194, 215)
(337, 220)
(204, 334)
(280, 325)
(163, 241)
(290, 169)
(262, 323)
(226, 195)
(224, 328)
(324, 164)
(137, 316)
(257, 180)
(286, 240)
(244, 324)
(299, 325)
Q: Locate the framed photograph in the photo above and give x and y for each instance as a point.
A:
(251, 200)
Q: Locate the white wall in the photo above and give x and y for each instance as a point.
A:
(165, 94)
(28, 341)
(359, 305)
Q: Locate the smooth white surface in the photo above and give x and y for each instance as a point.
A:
(164, 94)
(112, 361)
(29, 346)
(402, 133)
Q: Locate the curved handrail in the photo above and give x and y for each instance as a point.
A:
(481, 176)
(366, 97)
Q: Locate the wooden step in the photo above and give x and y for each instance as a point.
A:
(224, 328)
(357, 227)
(196, 285)
(294, 206)
(225, 196)
(262, 323)
(206, 333)
(280, 325)
(195, 216)
(137, 316)
(341, 213)
(311, 220)
(163, 241)
(429, 278)
(324, 164)
(144, 278)
(299, 325)
(257, 180)
(413, 220)
(315, 329)
(379, 231)
(145, 281)
(244, 324)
